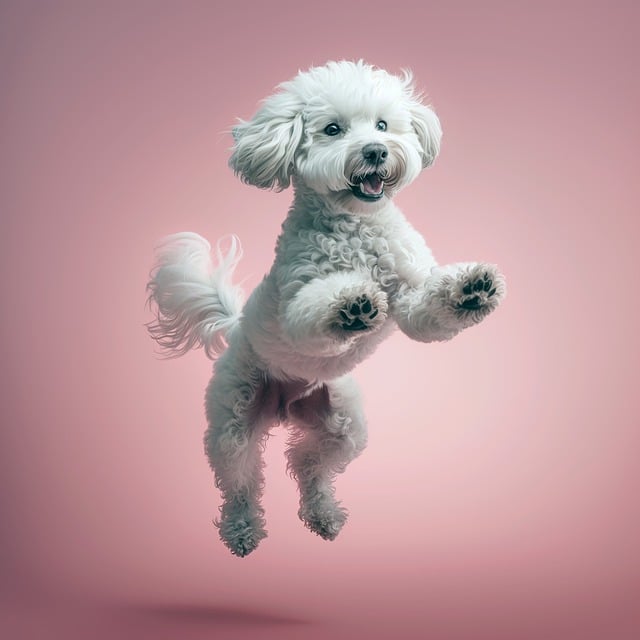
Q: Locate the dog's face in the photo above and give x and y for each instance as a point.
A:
(352, 133)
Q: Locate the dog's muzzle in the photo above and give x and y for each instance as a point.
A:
(370, 186)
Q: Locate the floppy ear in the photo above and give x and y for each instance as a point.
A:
(424, 121)
(427, 127)
(265, 145)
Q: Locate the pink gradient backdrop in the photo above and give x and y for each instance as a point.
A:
(498, 495)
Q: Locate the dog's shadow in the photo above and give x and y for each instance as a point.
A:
(206, 615)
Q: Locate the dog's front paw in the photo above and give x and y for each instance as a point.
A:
(359, 316)
(478, 291)
(361, 311)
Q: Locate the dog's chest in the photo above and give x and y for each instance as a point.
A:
(354, 246)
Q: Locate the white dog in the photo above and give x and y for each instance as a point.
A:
(348, 270)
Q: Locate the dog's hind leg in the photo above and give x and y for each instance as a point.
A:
(239, 414)
(329, 431)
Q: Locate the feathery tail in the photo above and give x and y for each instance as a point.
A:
(195, 303)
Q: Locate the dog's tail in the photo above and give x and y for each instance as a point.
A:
(193, 299)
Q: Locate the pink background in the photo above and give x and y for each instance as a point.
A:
(498, 497)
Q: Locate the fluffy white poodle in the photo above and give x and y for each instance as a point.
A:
(349, 269)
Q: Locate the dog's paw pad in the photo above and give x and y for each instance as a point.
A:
(358, 314)
(478, 291)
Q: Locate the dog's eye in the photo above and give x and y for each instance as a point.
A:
(332, 129)
(381, 125)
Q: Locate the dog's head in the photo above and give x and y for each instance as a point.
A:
(351, 132)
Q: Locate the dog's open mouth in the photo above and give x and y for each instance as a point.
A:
(369, 187)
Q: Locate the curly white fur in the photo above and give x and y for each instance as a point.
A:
(349, 269)
(199, 305)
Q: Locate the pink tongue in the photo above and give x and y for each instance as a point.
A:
(372, 184)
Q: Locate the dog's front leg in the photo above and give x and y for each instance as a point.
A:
(327, 314)
(452, 298)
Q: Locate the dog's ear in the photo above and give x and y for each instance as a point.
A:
(427, 127)
(424, 120)
(265, 146)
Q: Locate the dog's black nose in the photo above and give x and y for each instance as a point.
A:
(375, 152)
